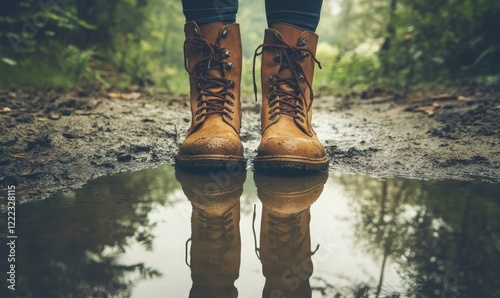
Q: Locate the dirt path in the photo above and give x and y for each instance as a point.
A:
(58, 139)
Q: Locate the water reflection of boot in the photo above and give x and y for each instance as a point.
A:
(215, 232)
(285, 242)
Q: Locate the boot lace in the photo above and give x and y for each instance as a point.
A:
(218, 233)
(286, 97)
(213, 91)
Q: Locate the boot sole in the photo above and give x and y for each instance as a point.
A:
(285, 164)
(209, 162)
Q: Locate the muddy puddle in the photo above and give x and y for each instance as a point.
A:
(234, 233)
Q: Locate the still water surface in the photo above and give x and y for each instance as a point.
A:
(168, 233)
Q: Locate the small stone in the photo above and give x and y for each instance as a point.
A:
(69, 136)
(25, 118)
(66, 112)
(54, 116)
(124, 158)
(141, 148)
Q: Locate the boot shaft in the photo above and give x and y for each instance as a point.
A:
(213, 60)
(288, 53)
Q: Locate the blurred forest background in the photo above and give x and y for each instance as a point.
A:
(116, 43)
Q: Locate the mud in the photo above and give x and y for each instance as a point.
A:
(56, 139)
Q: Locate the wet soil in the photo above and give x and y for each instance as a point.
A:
(56, 139)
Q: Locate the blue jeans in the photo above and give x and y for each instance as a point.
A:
(301, 13)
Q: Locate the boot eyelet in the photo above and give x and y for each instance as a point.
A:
(302, 42)
(302, 78)
(224, 33)
(272, 77)
(199, 117)
(230, 111)
(229, 65)
(271, 88)
(231, 84)
(198, 112)
(228, 116)
(303, 54)
(199, 85)
(200, 103)
(230, 103)
(197, 32)
(226, 54)
(232, 96)
(277, 58)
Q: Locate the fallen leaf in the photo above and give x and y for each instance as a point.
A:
(114, 95)
(444, 96)
(463, 98)
(54, 116)
(6, 110)
(429, 110)
(131, 96)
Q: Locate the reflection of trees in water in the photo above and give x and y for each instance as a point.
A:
(354, 290)
(70, 246)
(445, 236)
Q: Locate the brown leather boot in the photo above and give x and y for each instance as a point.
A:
(285, 242)
(288, 138)
(213, 61)
(215, 232)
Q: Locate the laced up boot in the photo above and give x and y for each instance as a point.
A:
(288, 138)
(215, 232)
(213, 60)
(285, 242)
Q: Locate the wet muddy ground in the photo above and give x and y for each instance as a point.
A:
(56, 139)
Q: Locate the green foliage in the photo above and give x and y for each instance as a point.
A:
(444, 40)
(66, 66)
(344, 71)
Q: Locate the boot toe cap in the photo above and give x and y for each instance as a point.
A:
(291, 147)
(211, 146)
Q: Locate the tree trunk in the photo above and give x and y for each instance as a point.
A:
(389, 35)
